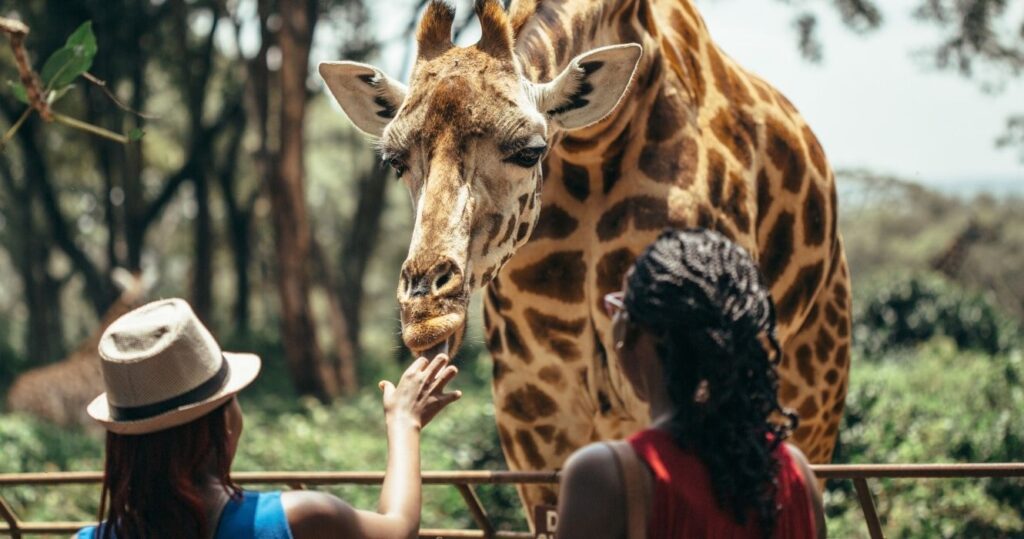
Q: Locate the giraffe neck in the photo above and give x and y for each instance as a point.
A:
(558, 30)
(674, 38)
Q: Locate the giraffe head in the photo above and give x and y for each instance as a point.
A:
(467, 137)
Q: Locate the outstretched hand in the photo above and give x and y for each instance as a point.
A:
(420, 393)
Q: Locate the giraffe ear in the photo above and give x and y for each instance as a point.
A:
(368, 96)
(591, 86)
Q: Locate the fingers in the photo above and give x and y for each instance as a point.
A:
(446, 375)
(387, 388)
(416, 366)
(436, 365)
(445, 399)
(437, 403)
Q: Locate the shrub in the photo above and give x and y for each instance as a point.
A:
(909, 310)
(937, 404)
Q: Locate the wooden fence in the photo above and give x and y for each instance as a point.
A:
(465, 481)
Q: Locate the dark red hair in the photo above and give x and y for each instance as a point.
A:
(152, 482)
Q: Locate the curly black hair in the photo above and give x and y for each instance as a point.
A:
(708, 306)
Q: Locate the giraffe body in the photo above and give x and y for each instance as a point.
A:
(696, 141)
(60, 392)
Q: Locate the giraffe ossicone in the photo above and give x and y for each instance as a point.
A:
(541, 160)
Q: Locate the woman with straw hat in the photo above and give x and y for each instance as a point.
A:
(173, 425)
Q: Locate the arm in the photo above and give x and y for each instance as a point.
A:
(811, 484)
(407, 408)
(591, 500)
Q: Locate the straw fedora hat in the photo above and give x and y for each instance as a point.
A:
(162, 368)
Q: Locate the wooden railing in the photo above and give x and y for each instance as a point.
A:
(464, 482)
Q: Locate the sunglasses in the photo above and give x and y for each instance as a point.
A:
(613, 303)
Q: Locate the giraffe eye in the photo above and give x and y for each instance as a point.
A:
(527, 157)
(397, 164)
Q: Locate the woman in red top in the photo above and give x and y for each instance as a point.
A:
(695, 335)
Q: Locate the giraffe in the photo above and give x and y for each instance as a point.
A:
(544, 158)
(951, 260)
(60, 392)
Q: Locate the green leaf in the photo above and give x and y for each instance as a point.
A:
(136, 134)
(83, 39)
(70, 61)
(19, 91)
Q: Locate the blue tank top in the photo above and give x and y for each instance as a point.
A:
(257, 515)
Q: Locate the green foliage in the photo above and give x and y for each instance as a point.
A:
(907, 310)
(937, 404)
(65, 65)
(27, 445)
(70, 61)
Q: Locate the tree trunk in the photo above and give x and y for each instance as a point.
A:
(202, 262)
(359, 247)
(239, 217)
(43, 332)
(287, 197)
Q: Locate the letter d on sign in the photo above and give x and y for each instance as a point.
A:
(546, 519)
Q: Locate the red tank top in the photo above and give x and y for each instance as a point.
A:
(683, 505)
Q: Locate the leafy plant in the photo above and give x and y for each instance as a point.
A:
(58, 75)
(937, 404)
(908, 310)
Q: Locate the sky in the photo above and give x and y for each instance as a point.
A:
(873, 103)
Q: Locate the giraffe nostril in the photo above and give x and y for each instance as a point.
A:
(442, 280)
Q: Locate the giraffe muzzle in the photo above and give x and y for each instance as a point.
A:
(433, 306)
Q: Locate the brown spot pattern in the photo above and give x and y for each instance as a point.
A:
(736, 205)
(823, 345)
(779, 247)
(611, 168)
(670, 162)
(814, 150)
(576, 180)
(801, 290)
(814, 216)
(738, 133)
(645, 213)
(514, 342)
(610, 269)
(554, 223)
(526, 444)
(803, 364)
(832, 376)
(546, 432)
(809, 407)
(666, 116)
(764, 197)
(529, 403)
(498, 368)
(506, 442)
(551, 374)
(558, 335)
(716, 177)
(559, 275)
(726, 79)
(785, 152)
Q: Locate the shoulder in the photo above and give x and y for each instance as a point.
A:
(591, 502)
(594, 464)
(87, 532)
(310, 512)
(801, 462)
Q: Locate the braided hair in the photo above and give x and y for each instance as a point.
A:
(707, 305)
